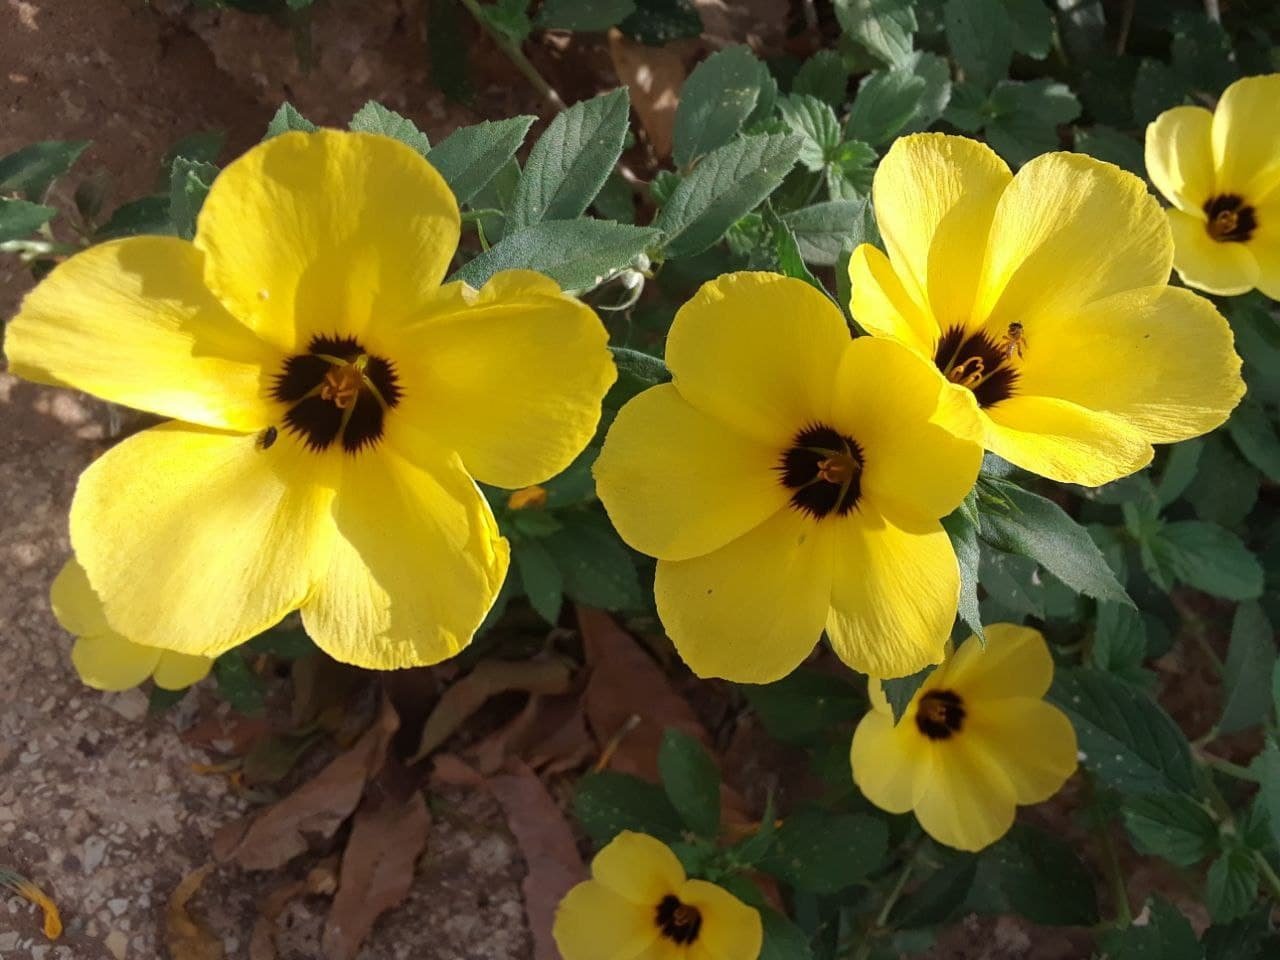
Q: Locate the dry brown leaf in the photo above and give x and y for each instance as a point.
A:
(387, 836)
(549, 734)
(626, 683)
(760, 23)
(274, 836)
(654, 75)
(488, 679)
(187, 938)
(321, 879)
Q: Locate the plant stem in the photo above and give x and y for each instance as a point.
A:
(1269, 875)
(1227, 767)
(1115, 876)
(515, 55)
(890, 901)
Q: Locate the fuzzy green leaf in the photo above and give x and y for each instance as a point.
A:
(472, 156)
(1246, 675)
(373, 117)
(827, 852)
(20, 219)
(607, 803)
(716, 101)
(691, 781)
(31, 170)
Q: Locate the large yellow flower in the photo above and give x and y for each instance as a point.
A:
(791, 478)
(1044, 298)
(639, 906)
(1221, 172)
(976, 741)
(104, 659)
(331, 403)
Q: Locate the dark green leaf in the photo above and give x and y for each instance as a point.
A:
(1248, 939)
(825, 229)
(238, 684)
(980, 35)
(447, 56)
(149, 215)
(787, 252)
(1204, 556)
(1170, 825)
(287, 118)
(1156, 89)
(900, 690)
(598, 569)
(1246, 676)
(783, 940)
(884, 27)
(716, 101)
(607, 803)
(287, 643)
(939, 897)
(1040, 876)
(1267, 767)
(1253, 429)
(1232, 885)
(658, 22)
(541, 578)
(510, 18)
(1032, 27)
(20, 219)
(815, 123)
(1109, 144)
(373, 117)
(616, 200)
(1120, 642)
(963, 532)
(1167, 935)
(189, 184)
(203, 146)
(1225, 488)
(32, 170)
(936, 74)
(691, 781)
(636, 372)
(472, 156)
(824, 76)
(1026, 117)
(1179, 470)
(827, 852)
(887, 101)
(161, 699)
(849, 171)
(583, 15)
(805, 705)
(1202, 53)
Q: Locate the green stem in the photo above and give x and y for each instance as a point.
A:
(1269, 875)
(515, 55)
(890, 901)
(1228, 768)
(1115, 876)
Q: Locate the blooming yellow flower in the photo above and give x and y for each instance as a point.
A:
(1044, 298)
(639, 906)
(976, 741)
(331, 403)
(790, 479)
(1221, 172)
(104, 659)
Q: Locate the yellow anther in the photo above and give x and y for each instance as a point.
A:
(342, 385)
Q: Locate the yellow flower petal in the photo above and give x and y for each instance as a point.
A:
(327, 233)
(917, 434)
(754, 609)
(758, 351)
(1045, 257)
(638, 868)
(965, 798)
(1160, 359)
(886, 758)
(1065, 442)
(595, 923)
(1265, 245)
(110, 662)
(678, 483)
(1179, 157)
(131, 321)
(1032, 741)
(1202, 262)
(75, 606)
(1246, 137)
(416, 564)
(1014, 663)
(196, 540)
(730, 930)
(510, 377)
(177, 671)
(893, 596)
(882, 306)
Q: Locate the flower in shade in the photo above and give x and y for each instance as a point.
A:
(791, 478)
(1044, 299)
(975, 742)
(638, 905)
(331, 404)
(1221, 172)
(103, 658)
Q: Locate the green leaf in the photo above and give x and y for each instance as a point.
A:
(691, 781)
(1247, 939)
(1232, 885)
(577, 254)
(787, 252)
(1254, 431)
(598, 569)
(963, 532)
(887, 101)
(287, 643)
(783, 940)
(510, 18)
(884, 27)
(1179, 470)
(804, 706)
(571, 160)
(728, 183)
(243, 689)
(1246, 675)
(1167, 935)
(1120, 642)
(189, 184)
(849, 171)
(204, 146)
(1109, 144)
(636, 372)
(939, 897)
(1040, 877)
(980, 35)
(936, 74)
(823, 230)
(827, 852)
(472, 156)
(1204, 556)
(587, 16)
(1038, 528)
(541, 578)
(148, 215)
(1267, 767)
(32, 170)
(20, 219)
(1032, 27)
(287, 118)
(899, 690)
(1225, 488)
(817, 126)
(824, 76)
(1124, 736)
(373, 117)
(1026, 117)
(1170, 825)
(716, 101)
(606, 803)
(658, 22)
(1155, 89)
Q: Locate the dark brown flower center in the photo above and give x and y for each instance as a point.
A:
(337, 392)
(1231, 220)
(823, 470)
(982, 363)
(679, 922)
(939, 714)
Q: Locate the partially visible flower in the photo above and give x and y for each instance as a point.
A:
(1221, 172)
(789, 480)
(526, 498)
(640, 906)
(104, 659)
(332, 406)
(975, 742)
(1043, 298)
(33, 894)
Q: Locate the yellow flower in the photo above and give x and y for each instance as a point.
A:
(104, 659)
(976, 741)
(528, 498)
(331, 404)
(639, 906)
(1044, 298)
(790, 479)
(1221, 172)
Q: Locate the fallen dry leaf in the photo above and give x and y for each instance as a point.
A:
(187, 938)
(387, 836)
(548, 675)
(549, 734)
(654, 76)
(272, 837)
(321, 879)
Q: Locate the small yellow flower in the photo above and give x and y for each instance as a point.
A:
(528, 498)
(331, 404)
(1221, 172)
(975, 742)
(104, 659)
(1044, 299)
(791, 479)
(33, 894)
(640, 906)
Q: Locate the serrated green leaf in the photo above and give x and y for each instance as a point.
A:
(373, 117)
(1179, 470)
(716, 101)
(1225, 488)
(783, 940)
(147, 215)
(540, 577)
(1113, 146)
(571, 160)
(1246, 675)
(243, 689)
(1156, 88)
(1253, 428)
(936, 74)
(189, 184)
(824, 230)
(1120, 642)
(824, 76)
(850, 169)
(1039, 876)
(583, 15)
(598, 569)
(939, 897)
(1231, 886)
(805, 705)
(899, 690)
(1204, 556)
(963, 532)
(1032, 27)
(1026, 117)
(471, 156)
(692, 782)
(510, 18)
(286, 119)
(203, 146)
(20, 219)
(1267, 768)
(32, 170)
(886, 102)
(786, 252)
(980, 35)
(606, 803)
(1167, 935)
(884, 27)
(815, 123)
(827, 852)
(1170, 825)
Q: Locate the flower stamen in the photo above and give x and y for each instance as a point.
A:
(679, 922)
(1230, 219)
